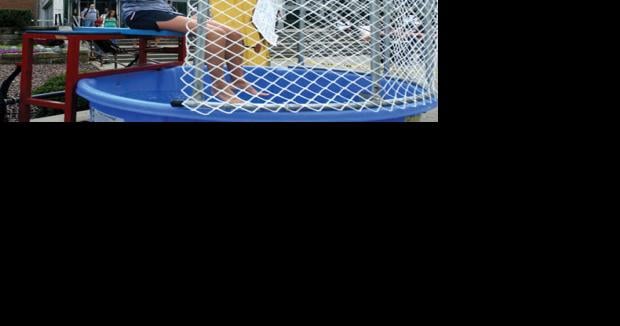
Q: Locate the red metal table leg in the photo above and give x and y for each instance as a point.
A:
(73, 69)
(25, 88)
(182, 49)
(142, 51)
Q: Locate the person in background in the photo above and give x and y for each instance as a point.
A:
(99, 22)
(89, 16)
(110, 20)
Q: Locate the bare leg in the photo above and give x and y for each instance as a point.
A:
(234, 55)
(224, 43)
(215, 55)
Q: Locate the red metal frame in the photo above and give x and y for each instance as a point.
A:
(73, 65)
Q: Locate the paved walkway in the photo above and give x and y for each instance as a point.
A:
(431, 116)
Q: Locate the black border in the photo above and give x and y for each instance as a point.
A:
(455, 53)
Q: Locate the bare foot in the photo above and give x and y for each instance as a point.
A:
(231, 99)
(246, 87)
(225, 93)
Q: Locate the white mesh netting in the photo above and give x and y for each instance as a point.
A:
(315, 55)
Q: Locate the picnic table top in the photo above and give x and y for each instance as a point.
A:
(110, 31)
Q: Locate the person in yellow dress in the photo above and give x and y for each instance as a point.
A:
(225, 45)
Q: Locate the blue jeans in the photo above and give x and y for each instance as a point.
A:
(89, 22)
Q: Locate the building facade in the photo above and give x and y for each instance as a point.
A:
(32, 5)
(19, 4)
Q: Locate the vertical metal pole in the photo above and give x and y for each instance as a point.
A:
(25, 86)
(73, 70)
(387, 37)
(69, 13)
(375, 48)
(79, 13)
(118, 11)
(301, 36)
(427, 42)
(143, 44)
(201, 32)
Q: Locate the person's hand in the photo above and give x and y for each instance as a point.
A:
(258, 47)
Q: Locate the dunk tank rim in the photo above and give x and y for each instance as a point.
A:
(145, 97)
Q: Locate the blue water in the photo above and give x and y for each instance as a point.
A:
(300, 86)
(146, 96)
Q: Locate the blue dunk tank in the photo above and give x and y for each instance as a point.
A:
(317, 69)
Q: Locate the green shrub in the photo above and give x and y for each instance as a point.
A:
(55, 84)
(15, 18)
